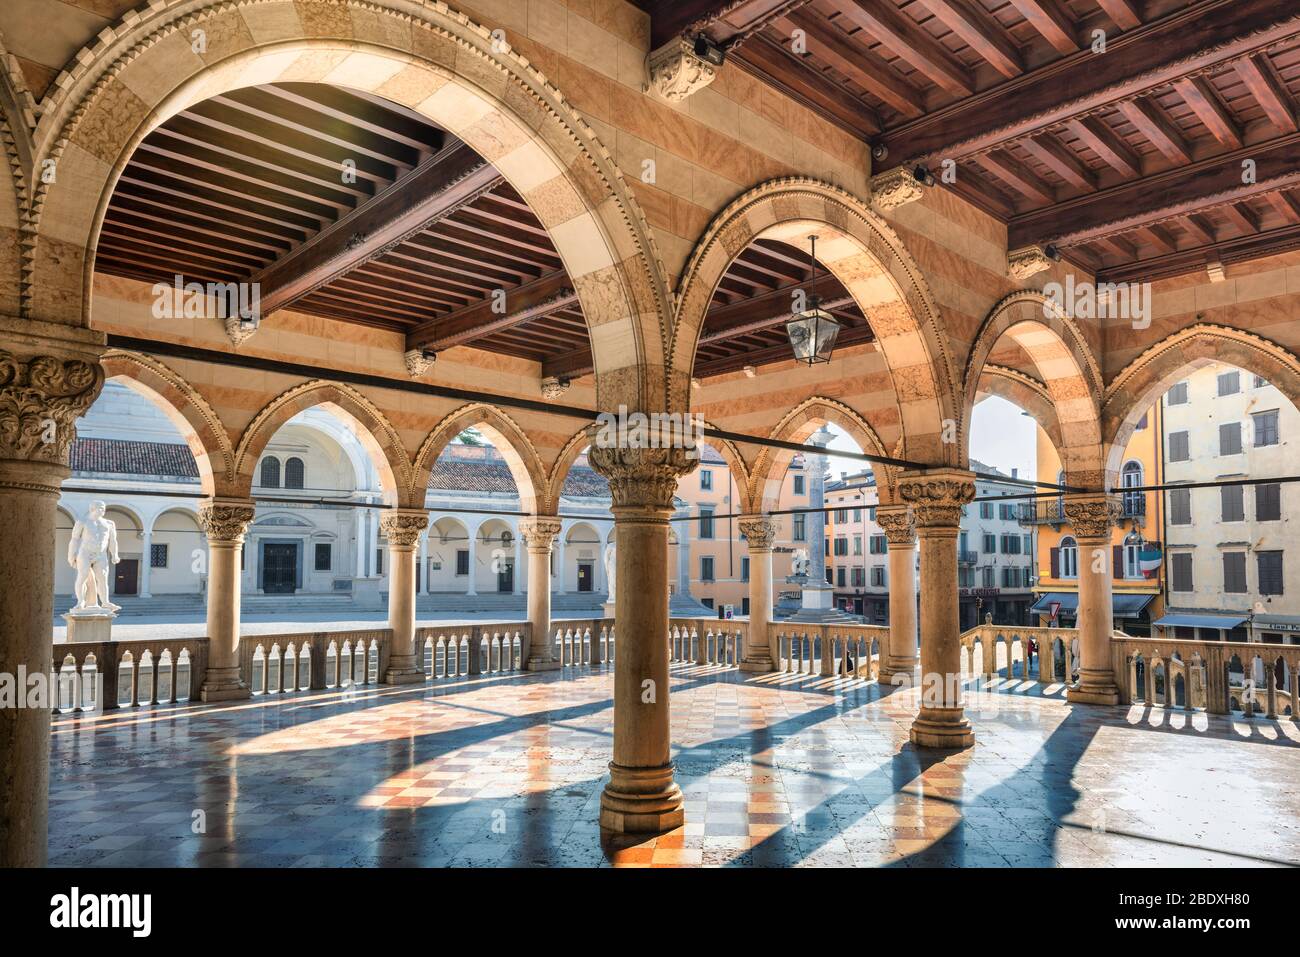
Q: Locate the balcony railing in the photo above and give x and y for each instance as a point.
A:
(966, 556)
(1135, 505)
(1043, 512)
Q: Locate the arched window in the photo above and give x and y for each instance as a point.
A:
(270, 472)
(1132, 555)
(293, 473)
(1069, 558)
(1134, 502)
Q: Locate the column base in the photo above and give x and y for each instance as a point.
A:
(641, 801)
(941, 728)
(542, 664)
(1094, 688)
(223, 684)
(403, 677)
(758, 665)
(900, 674)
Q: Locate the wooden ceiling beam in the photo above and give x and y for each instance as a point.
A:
(1152, 123)
(1018, 176)
(430, 193)
(1204, 102)
(1191, 39)
(1261, 79)
(1123, 12)
(908, 41)
(538, 298)
(1053, 154)
(1051, 20)
(981, 32)
(1101, 140)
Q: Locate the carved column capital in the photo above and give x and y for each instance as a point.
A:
(759, 532)
(894, 188)
(539, 531)
(225, 520)
(898, 523)
(937, 496)
(417, 363)
(1026, 261)
(676, 72)
(41, 398)
(641, 477)
(402, 526)
(1093, 515)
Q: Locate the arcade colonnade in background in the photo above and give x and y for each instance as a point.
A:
(954, 314)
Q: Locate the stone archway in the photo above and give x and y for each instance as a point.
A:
(505, 435)
(186, 408)
(1131, 393)
(1021, 389)
(372, 429)
(869, 258)
(1066, 367)
(802, 421)
(423, 56)
(17, 115)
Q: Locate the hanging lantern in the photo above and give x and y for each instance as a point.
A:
(813, 331)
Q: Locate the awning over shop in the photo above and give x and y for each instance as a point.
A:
(1125, 606)
(1196, 620)
(1277, 623)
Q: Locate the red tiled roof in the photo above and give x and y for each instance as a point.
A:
(127, 457)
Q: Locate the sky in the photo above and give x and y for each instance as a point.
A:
(1000, 436)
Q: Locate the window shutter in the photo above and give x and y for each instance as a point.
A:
(1117, 559)
(1056, 562)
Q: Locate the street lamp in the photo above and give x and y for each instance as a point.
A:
(813, 331)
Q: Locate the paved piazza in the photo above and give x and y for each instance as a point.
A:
(777, 770)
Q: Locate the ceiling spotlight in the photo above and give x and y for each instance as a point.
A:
(750, 372)
(428, 355)
(708, 51)
(923, 176)
(1052, 253)
(879, 152)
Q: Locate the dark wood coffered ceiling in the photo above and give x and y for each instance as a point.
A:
(346, 206)
(1129, 161)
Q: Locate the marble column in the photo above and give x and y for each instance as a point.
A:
(424, 564)
(1091, 517)
(641, 796)
(901, 657)
(46, 383)
(937, 497)
(540, 532)
(559, 564)
(224, 521)
(146, 562)
(517, 573)
(759, 532)
(472, 545)
(402, 528)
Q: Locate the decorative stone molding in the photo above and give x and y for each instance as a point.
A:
(894, 188)
(237, 332)
(641, 477)
(41, 398)
(1092, 516)
(225, 521)
(1026, 261)
(540, 530)
(937, 496)
(417, 363)
(898, 524)
(759, 532)
(676, 72)
(554, 387)
(402, 527)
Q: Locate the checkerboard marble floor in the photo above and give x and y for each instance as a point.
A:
(778, 770)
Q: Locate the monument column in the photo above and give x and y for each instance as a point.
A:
(540, 532)
(46, 383)
(641, 796)
(760, 532)
(402, 528)
(937, 497)
(1091, 517)
(901, 656)
(224, 521)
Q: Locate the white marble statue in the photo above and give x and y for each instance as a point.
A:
(610, 571)
(800, 563)
(92, 549)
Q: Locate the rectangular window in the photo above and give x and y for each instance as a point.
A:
(1234, 510)
(324, 556)
(1268, 503)
(462, 561)
(1270, 572)
(1029, 544)
(857, 515)
(1007, 512)
(1010, 544)
(1180, 506)
(990, 544)
(1230, 438)
(839, 576)
(798, 485)
(1177, 394)
(1265, 428)
(379, 561)
(706, 479)
(857, 544)
(878, 576)
(879, 545)
(987, 574)
(1180, 564)
(706, 522)
(986, 509)
(841, 545)
(871, 513)
(841, 516)
(1234, 573)
(744, 569)
(706, 568)
(1178, 448)
(1260, 382)
(1229, 383)
(157, 556)
(859, 577)
(799, 528)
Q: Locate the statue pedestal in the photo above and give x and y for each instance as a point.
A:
(90, 624)
(609, 609)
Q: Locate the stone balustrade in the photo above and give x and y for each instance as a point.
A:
(104, 675)
(707, 641)
(829, 649)
(1054, 646)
